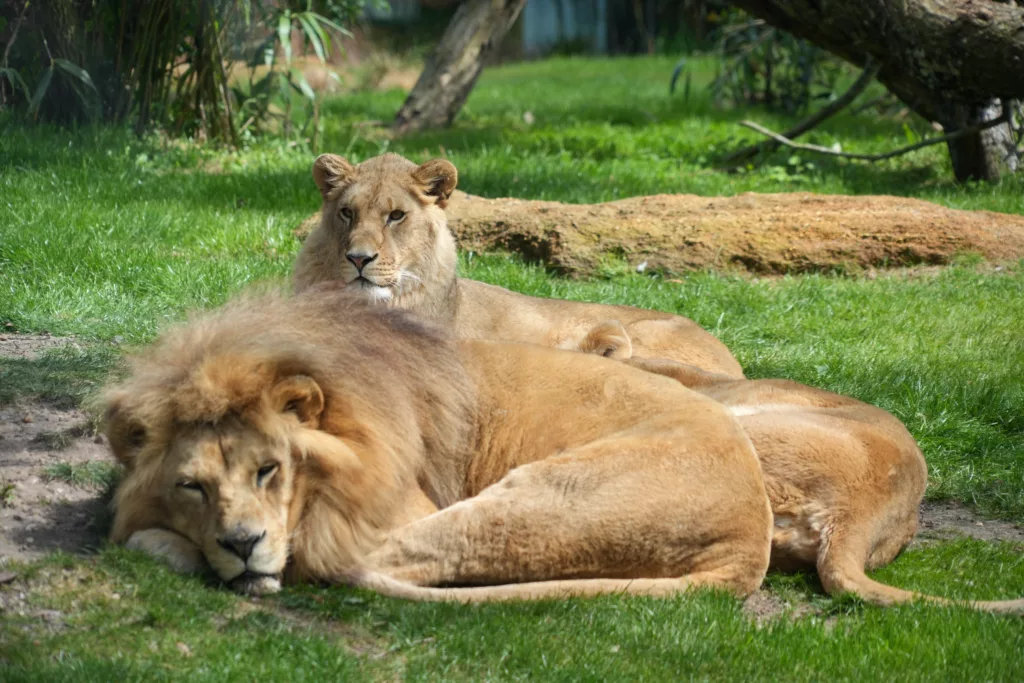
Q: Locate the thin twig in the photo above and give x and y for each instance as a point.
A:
(7, 53)
(875, 157)
(14, 32)
(812, 121)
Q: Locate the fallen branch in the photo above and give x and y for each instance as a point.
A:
(818, 149)
(835, 106)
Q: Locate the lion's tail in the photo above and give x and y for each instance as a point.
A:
(841, 569)
(537, 590)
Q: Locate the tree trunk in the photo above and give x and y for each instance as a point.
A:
(987, 154)
(475, 31)
(950, 61)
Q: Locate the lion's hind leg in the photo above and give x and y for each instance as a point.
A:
(640, 515)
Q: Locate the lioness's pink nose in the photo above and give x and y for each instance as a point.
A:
(359, 259)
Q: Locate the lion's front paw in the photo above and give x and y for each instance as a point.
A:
(256, 585)
(177, 551)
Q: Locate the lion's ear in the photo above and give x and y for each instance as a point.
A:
(127, 435)
(439, 178)
(331, 171)
(300, 395)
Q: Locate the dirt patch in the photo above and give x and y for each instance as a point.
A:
(28, 346)
(943, 521)
(759, 233)
(40, 514)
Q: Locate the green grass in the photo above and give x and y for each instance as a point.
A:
(97, 474)
(124, 617)
(63, 377)
(109, 238)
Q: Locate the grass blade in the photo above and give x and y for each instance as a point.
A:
(284, 34)
(41, 88)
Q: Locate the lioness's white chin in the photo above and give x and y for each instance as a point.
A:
(375, 293)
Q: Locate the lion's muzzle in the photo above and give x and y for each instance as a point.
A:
(241, 543)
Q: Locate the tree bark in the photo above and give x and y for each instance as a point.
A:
(950, 61)
(475, 31)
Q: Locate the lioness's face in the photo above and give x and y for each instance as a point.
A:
(382, 220)
(228, 488)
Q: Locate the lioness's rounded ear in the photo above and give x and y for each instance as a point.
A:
(439, 178)
(608, 339)
(331, 171)
(301, 395)
(126, 435)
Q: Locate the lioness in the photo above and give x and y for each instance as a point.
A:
(383, 232)
(845, 479)
(320, 438)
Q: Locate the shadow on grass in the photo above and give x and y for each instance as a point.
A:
(62, 377)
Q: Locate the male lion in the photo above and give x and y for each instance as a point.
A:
(383, 232)
(319, 438)
(845, 479)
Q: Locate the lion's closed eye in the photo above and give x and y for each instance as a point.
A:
(266, 473)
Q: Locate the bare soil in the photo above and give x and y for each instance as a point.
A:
(39, 515)
(759, 233)
(28, 346)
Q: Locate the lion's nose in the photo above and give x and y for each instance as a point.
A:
(240, 544)
(360, 259)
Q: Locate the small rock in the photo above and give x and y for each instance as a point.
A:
(98, 438)
(979, 524)
(115, 596)
(528, 118)
(27, 419)
(642, 267)
(18, 518)
(7, 577)
(184, 649)
(118, 339)
(30, 540)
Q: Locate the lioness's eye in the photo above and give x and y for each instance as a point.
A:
(396, 215)
(264, 473)
(346, 213)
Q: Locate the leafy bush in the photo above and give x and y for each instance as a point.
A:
(763, 65)
(161, 62)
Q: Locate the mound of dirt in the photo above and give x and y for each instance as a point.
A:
(759, 233)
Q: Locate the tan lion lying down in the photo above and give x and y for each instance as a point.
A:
(384, 233)
(315, 439)
(296, 438)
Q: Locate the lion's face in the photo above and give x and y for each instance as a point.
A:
(383, 230)
(224, 479)
(228, 489)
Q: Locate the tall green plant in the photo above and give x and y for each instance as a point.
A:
(764, 65)
(281, 80)
(160, 62)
